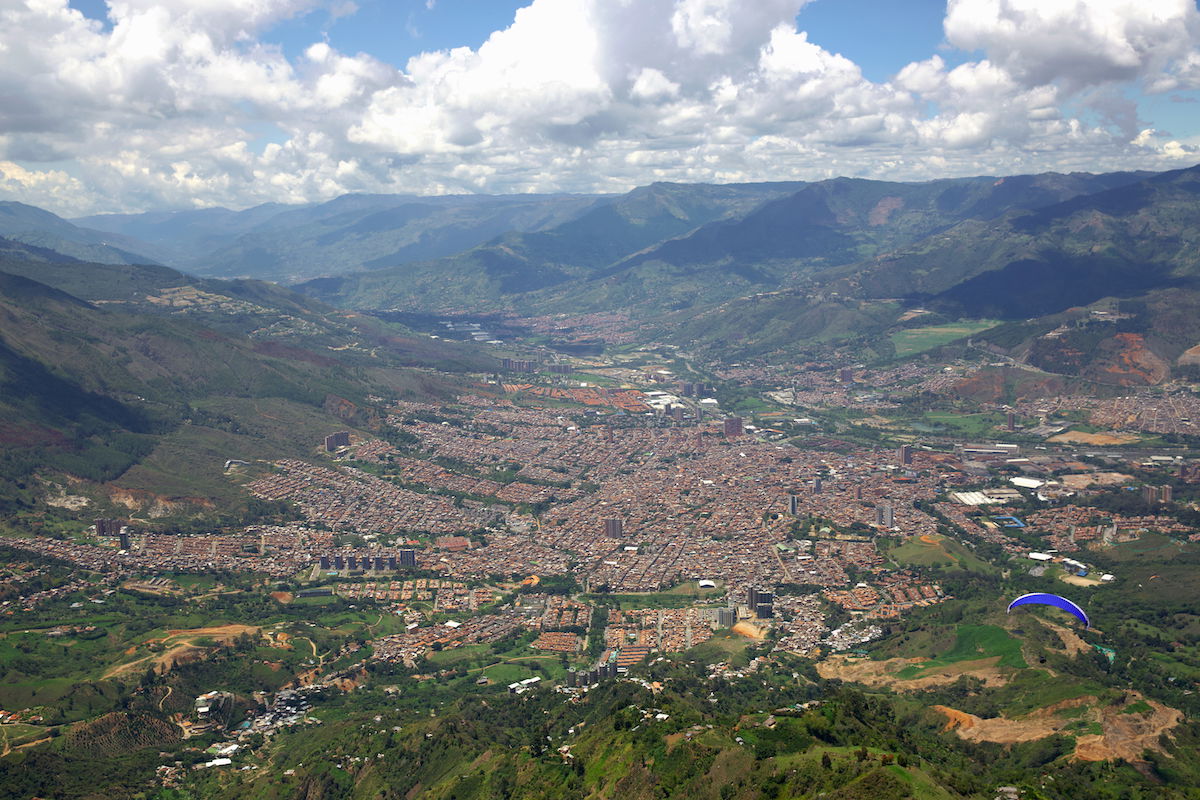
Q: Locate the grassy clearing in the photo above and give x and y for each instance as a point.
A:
(973, 642)
(970, 426)
(932, 551)
(18, 733)
(1031, 689)
(911, 341)
(691, 589)
(650, 600)
(723, 646)
(1140, 707)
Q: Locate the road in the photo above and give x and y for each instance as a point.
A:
(163, 699)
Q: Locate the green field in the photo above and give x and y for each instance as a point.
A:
(723, 646)
(967, 425)
(911, 341)
(941, 552)
(649, 600)
(973, 642)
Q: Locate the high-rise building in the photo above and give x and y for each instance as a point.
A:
(339, 563)
(108, 527)
(352, 562)
(858, 493)
(380, 563)
(325, 562)
(846, 375)
(391, 562)
(817, 486)
(123, 538)
(904, 454)
(335, 440)
(733, 426)
(885, 516)
(1011, 421)
(761, 604)
(614, 528)
(1158, 494)
(408, 558)
(726, 617)
(793, 504)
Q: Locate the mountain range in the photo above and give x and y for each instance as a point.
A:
(742, 269)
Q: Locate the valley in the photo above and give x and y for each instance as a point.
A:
(645, 499)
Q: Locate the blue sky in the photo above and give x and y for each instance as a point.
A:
(881, 37)
(170, 103)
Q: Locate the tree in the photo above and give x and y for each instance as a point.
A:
(826, 761)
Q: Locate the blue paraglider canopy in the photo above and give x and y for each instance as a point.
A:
(1043, 599)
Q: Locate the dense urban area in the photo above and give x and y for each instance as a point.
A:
(567, 525)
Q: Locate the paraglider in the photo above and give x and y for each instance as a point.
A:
(1044, 599)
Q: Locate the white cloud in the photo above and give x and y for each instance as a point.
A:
(179, 102)
(1080, 42)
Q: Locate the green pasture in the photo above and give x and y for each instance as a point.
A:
(943, 552)
(911, 341)
(973, 642)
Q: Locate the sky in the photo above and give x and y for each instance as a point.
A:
(136, 105)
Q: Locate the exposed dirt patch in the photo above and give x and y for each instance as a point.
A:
(1125, 360)
(1075, 580)
(1095, 479)
(883, 209)
(220, 633)
(1038, 725)
(1189, 356)
(183, 651)
(1079, 437)
(71, 502)
(1071, 641)
(749, 631)
(997, 384)
(1126, 735)
(282, 597)
(882, 674)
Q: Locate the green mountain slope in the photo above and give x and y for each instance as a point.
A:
(1134, 241)
(94, 388)
(670, 246)
(39, 228)
(352, 232)
(1119, 242)
(503, 270)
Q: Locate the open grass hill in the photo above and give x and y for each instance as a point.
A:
(145, 380)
